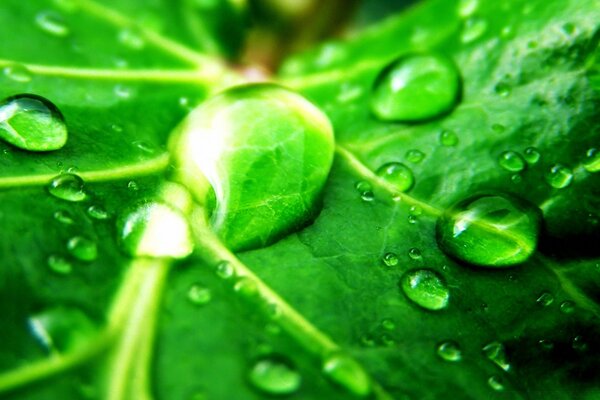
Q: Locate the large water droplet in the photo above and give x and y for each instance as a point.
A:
(426, 289)
(559, 176)
(155, 230)
(398, 175)
(449, 351)
(415, 87)
(592, 160)
(61, 329)
(33, 123)
(511, 161)
(67, 187)
(199, 295)
(275, 375)
(490, 230)
(52, 23)
(82, 248)
(496, 353)
(17, 73)
(345, 371)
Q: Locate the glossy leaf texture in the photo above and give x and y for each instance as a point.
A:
(361, 302)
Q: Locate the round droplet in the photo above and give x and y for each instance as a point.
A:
(545, 299)
(415, 156)
(155, 230)
(67, 187)
(415, 87)
(367, 196)
(567, 307)
(490, 230)
(496, 353)
(398, 175)
(132, 39)
(245, 286)
(502, 89)
(275, 375)
(448, 138)
(388, 324)
(511, 161)
(33, 123)
(592, 160)
(17, 73)
(449, 351)
(64, 217)
(390, 259)
(495, 383)
(412, 219)
(415, 253)
(498, 128)
(349, 374)
(59, 265)
(199, 295)
(225, 270)
(52, 23)
(531, 155)
(559, 176)
(426, 289)
(473, 29)
(82, 248)
(97, 212)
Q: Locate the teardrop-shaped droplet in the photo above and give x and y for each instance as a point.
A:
(398, 175)
(592, 160)
(17, 73)
(33, 123)
(390, 259)
(67, 187)
(426, 289)
(62, 329)
(415, 87)
(275, 375)
(155, 230)
(449, 351)
(52, 23)
(490, 230)
(199, 295)
(559, 176)
(531, 155)
(496, 353)
(348, 373)
(511, 161)
(97, 212)
(82, 248)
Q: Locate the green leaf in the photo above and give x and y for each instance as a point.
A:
(362, 302)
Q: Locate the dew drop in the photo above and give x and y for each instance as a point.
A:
(448, 138)
(82, 248)
(412, 219)
(390, 259)
(275, 376)
(496, 353)
(592, 160)
(154, 230)
(498, 128)
(426, 289)
(490, 230)
(415, 87)
(245, 286)
(132, 39)
(511, 161)
(495, 383)
(387, 340)
(388, 324)
(473, 29)
(346, 372)
(199, 295)
(567, 307)
(415, 253)
(531, 155)
(97, 212)
(415, 156)
(52, 23)
(502, 89)
(64, 217)
(17, 73)
(559, 176)
(59, 265)
(466, 8)
(398, 175)
(225, 270)
(67, 187)
(123, 92)
(579, 343)
(449, 351)
(367, 196)
(33, 123)
(545, 299)
(546, 344)
(133, 186)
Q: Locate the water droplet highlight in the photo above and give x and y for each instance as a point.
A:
(426, 289)
(545, 299)
(33, 123)
(449, 351)
(346, 372)
(398, 175)
(199, 295)
(415, 87)
(82, 248)
(67, 187)
(592, 160)
(52, 23)
(275, 375)
(490, 230)
(559, 176)
(511, 161)
(496, 353)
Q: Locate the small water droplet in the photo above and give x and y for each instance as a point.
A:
(225, 270)
(531, 155)
(415, 253)
(412, 219)
(398, 175)
(506, 32)
(349, 92)
(131, 38)
(387, 340)
(448, 138)
(495, 383)
(390, 259)
(490, 230)
(367, 341)
(546, 344)
(567, 307)
(67, 187)
(367, 196)
(449, 351)
(473, 29)
(498, 128)
(388, 324)
(33, 123)
(502, 89)
(17, 73)
(132, 185)
(97, 212)
(559, 176)
(569, 28)
(154, 230)
(123, 92)
(346, 372)
(245, 286)
(545, 299)
(59, 265)
(511, 161)
(416, 211)
(466, 8)
(199, 295)
(415, 156)
(146, 147)
(82, 248)
(275, 375)
(52, 23)
(579, 343)
(64, 217)
(592, 160)
(116, 128)
(415, 87)
(426, 289)
(496, 353)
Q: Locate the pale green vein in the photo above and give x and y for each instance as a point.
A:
(327, 77)
(144, 168)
